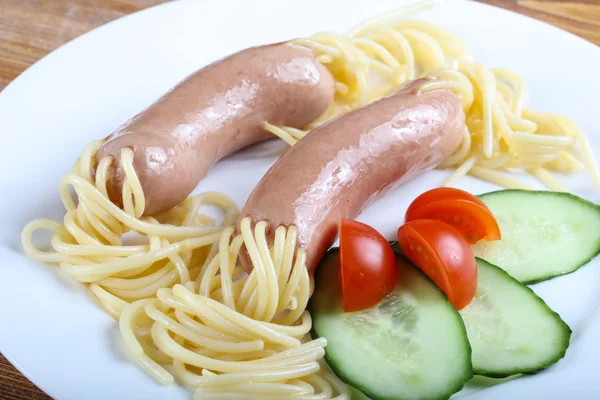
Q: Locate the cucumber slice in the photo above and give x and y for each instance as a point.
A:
(511, 330)
(413, 345)
(544, 234)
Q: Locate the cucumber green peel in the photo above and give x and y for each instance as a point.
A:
(544, 234)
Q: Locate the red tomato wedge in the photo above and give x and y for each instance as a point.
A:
(461, 209)
(368, 270)
(442, 253)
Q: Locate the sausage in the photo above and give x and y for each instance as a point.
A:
(344, 165)
(213, 113)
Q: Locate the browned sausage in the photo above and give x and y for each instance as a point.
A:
(341, 167)
(213, 113)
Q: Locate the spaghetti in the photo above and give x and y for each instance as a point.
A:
(235, 333)
(502, 133)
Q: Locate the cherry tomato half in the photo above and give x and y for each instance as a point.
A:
(461, 209)
(442, 253)
(368, 270)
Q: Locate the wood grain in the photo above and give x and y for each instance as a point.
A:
(30, 29)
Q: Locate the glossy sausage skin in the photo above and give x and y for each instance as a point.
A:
(213, 113)
(344, 165)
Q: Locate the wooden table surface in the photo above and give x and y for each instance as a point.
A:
(30, 29)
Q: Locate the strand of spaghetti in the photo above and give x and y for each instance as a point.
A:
(518, 85)
(127, 199)
(86, 159)
(225, 268)
(151, 350)
(239, 396)
(206, 315)
(572, 161)
(92, 224)
(90, 273)
(282, 374)
(33, 252)
(282, 389)
(180, 265)
(103, 215)
(136, 351)
(488, 86)
(167, 345)
(540, 139)
(205, 266)
(240, 320)
(279, 132)
(248, 291)
(70, 223)
(537, 149)
(461, 171)
(336, 383)
(167, 278)
(546, 122)
(299, 280)
(102, 172)
(545, 177)
(559, 164)
(503, 129)
(324, 389)
(288, 257)
(291, 358)
(208, 283)
(498, 178)
(133, 184)
(497, 162)
(522, 125)
(459, 84)
(319, 47)
(111, 303)
(198, 339)
(277, 254)
(293, 330)
(202, 329)
(265, 290)
(299, 133)
(236, 286)
(143, 281)
(304, 351)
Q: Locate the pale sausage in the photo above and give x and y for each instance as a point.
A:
(342, 166)
(213, 113)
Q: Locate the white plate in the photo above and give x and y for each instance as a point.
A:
(51, 329)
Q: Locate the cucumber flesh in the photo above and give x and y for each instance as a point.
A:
(412, 345)
(544, 234)
(511, 329)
